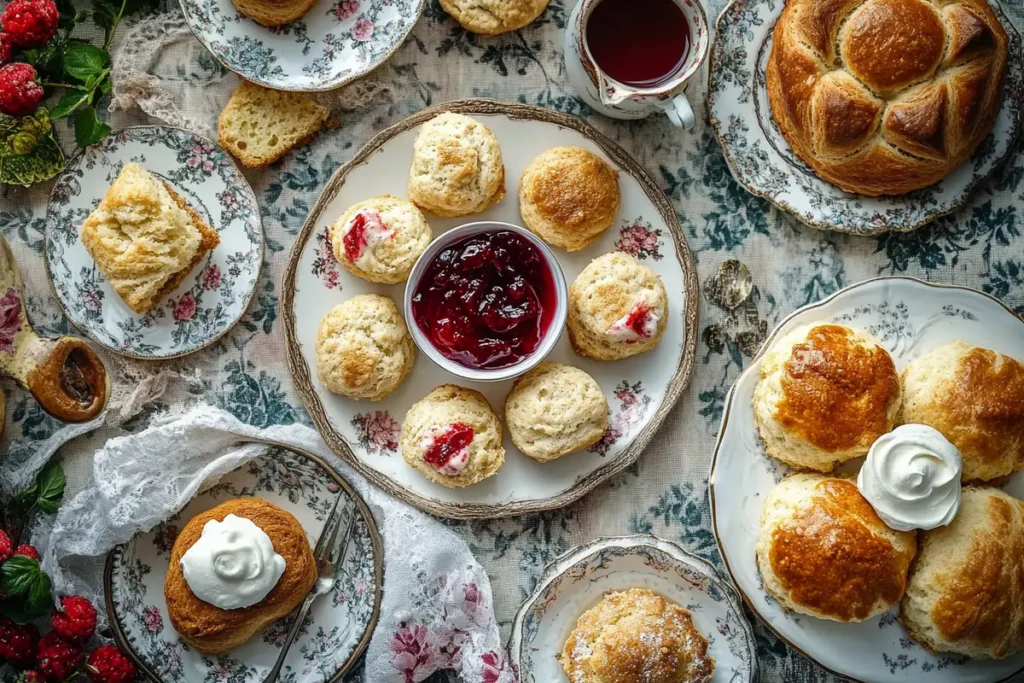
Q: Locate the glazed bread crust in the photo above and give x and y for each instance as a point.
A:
(824, 552)
(214, 631)
(636, 637)
(975, 397)
(882, 97)
(966, 589)
(491, 17)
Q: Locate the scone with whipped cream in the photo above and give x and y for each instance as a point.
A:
(380, 239)
(618, 308)
(453, 437)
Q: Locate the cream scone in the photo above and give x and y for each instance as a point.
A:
(824, 552)
(826, 393)
(452, 437)
(363, 348)
(618, 308)
(380, 239)
(568, 196)
(975, 397)
(554, 410)
(491, 17)
(457, 169)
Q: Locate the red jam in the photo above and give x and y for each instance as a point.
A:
(365, 226)
(486, 301)
(637, 320)
(448, 445)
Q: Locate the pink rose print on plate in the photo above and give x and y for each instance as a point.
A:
(153, 621)
(634, 403)
(346, 9)
(325, 266)
(211, 277)
(362, 30)
(10, 319)
(185, 309)
(377, 432)
(640, 239)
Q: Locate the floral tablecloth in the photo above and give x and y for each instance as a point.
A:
(666, 492)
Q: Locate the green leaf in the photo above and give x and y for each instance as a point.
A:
(19, 574)
(28, 152)
(88, 128)
(70, 101)
(82, 60)
(104, 14)
(50, 482)
(17, 611)
(40, 596)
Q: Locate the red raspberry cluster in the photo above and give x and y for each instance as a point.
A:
(23, 24)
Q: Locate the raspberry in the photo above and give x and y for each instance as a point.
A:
(6, 48)
(76, 619)
(6, 547)
(19, 95)
(58, 659)
(23, 550)
(18, 644)
(107, 664)
(30, 23)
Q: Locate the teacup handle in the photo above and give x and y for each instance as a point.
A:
(679, 112)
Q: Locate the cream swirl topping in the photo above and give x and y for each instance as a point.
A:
(912, 478)
(233, 564)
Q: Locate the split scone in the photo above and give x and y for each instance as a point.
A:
(145, 239)
(637, 637)
(491, 17)
(380, 239)
(273, 13)
(235, 569)
(826, 393)
(975, 397)
(823, 550)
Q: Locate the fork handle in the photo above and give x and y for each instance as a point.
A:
(300, 617)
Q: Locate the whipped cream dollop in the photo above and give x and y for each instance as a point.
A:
(640, 323)
(912, 478)
(363, 232)
(233, 564)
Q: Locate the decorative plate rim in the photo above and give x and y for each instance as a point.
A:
(378, 568)
(802, 216)
(555, 568)
(327, 86)
(582, 486)
(127, 353)
(729, 399)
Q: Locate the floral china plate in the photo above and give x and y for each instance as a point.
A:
(334, 43)
(580, 579)
(763, 163)
(909, 317)
(338, 627)
(640, 390)
(215, 294)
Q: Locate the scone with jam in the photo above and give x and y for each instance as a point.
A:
(380, 239)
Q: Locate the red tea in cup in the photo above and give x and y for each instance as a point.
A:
(640, 43)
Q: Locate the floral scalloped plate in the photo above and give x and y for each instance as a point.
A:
(909, 317)
(215, 294)
(579, 579)
(334, 43)
(338, 627)
(763, 163)
(640, 390)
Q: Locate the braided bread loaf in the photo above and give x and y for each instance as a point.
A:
(886, 96)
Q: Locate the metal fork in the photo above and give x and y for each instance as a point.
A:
(325, 563)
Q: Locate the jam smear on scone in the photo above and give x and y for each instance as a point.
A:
(448, 452)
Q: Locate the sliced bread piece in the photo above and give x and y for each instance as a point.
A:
(259, 125)
(208, 241)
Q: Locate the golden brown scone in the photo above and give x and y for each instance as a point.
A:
(208, 241)
(273, 13)
(379, 239)
(824, 552)
(636, 637)
(826, 393)
(568, 196)
(212, 630)
(975, 397)
(966, 589)
(491, 17)
(882, 97)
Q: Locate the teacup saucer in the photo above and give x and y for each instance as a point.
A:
(216, 293)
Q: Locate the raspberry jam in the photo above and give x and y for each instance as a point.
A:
(364, 229)
(448, 452)
(486, 301)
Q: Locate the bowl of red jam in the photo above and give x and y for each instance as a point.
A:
(486, 301)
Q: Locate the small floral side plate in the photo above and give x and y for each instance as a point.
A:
(579, 580)
(763, 163)
(909, 317)
(338, 627)
(215, 294)
(335, 42)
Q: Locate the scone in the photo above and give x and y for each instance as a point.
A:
(636, 637)
(211, 629)
(380, 239)
(452, 437)
(826, 393)
(966, 590)
(568, 197)
(491, 17)
(824, 552)
(363, 348)
(618, 308)
(554, 410)
(259, 125)
(975, 397)
(145, 239)
(457, 169)
(273, 13)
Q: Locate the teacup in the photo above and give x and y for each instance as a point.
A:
(620, 100)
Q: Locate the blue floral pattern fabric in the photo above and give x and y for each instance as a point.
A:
(665, 493)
